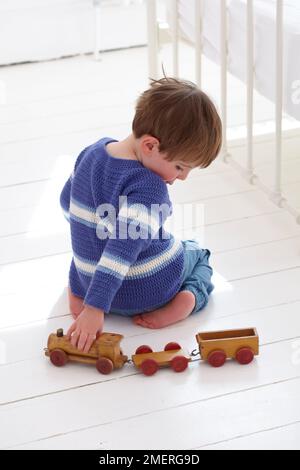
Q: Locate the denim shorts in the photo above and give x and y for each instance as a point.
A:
(197, 273)
(196, 277)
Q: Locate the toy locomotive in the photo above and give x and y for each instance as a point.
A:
(106, 354)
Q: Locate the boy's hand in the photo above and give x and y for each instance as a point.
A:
(83, 331)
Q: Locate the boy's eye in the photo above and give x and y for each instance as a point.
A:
(179, 168)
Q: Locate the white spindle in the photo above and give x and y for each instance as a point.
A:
(250, 88)
(175, 37)
(152, 33)
(279, 98)
(198, 41)
(223, 52)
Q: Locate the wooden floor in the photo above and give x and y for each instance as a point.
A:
(52, 110)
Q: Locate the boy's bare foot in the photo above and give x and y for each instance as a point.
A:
(75, 304)
(177, 309)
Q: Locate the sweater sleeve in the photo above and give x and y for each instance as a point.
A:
(65, 195)
(142, 213)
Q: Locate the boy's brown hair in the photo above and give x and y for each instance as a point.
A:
(183, 118)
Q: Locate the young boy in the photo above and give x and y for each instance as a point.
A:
(123, 260)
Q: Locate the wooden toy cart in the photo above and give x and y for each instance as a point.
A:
(215, 347)
(172, 356)
(105, 352)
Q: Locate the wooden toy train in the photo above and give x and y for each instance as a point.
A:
(214, 347)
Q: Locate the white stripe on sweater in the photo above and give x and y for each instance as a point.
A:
(138, 269)
(141, 269)
(90, 216)
(141, 215)
(136, 212)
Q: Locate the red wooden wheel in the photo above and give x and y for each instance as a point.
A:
(143, 349)
(149, 367)
(179, 363)
(58, 357)
(172, 347)
(217, 358)
(104, 365)
(244, 356)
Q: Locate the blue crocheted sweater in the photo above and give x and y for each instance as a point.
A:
(123, 258)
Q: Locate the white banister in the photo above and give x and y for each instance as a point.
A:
(152, 33)
(279, 100)
(224, 52)
(175, 37)
(250, 89)
(199, 40)
(248, 171)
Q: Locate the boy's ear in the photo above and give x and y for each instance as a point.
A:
(149, 143)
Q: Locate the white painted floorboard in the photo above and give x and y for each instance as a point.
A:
(283, 438)
(53, 110)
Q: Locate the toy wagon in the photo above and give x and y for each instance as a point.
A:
(149, 362)
(105, 352)
(215, 347)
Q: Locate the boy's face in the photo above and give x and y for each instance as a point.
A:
(155, 161)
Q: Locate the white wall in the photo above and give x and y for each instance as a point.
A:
(33, 30)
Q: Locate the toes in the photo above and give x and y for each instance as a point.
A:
(152, 325)
(138, 320)
(146, 324)
(143, 324)
(145, 321)
(148, 321)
